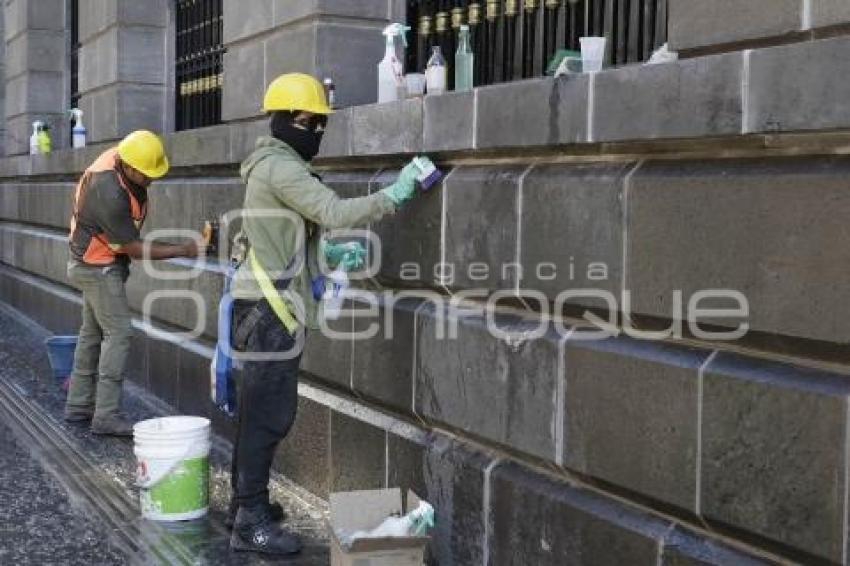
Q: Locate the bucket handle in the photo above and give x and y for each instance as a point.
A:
(152, 481)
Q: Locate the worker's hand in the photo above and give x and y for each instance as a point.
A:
(404, 189)
(192, 249)
(350, 256)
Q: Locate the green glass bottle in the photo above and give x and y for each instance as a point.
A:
(464, 61)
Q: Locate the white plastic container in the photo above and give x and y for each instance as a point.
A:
(172, 471)
(592, 53)
(78, 133)
(34, 150)
(335, 288)
(435, 74)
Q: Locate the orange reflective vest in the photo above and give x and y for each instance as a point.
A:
(99, 251)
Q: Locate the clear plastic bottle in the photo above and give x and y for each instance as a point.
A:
(464, 61)
(435, 73)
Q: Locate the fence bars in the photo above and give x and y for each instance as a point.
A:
(198, 64)
(515, 39)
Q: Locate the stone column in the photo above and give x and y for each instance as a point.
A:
(35, 64)
(336, 38)
(123, 66)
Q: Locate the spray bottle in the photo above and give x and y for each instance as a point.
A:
(45, 144)
(390, 70)
(36, 127)
(78, 133)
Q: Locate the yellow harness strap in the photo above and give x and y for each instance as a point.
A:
(271, 294)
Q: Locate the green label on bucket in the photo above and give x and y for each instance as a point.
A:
(183, 490)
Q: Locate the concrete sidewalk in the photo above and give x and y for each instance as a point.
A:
(67, 497)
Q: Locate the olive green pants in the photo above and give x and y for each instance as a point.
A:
(104, 340)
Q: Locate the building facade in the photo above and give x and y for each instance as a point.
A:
(723, 170)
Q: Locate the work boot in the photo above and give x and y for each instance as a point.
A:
(275, 510)
(256, 531)
(112, 425)
(76, 415)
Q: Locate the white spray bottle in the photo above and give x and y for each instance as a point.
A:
(390, 70)
(78, 134)
(36, 127)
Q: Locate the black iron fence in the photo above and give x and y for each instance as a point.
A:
(198, 65)
(515, 39)
(75, 53)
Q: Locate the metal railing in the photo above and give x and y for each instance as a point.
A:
(516, 39)
(75, 53)
(198, 65)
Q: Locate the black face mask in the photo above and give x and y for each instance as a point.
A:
(305, 142)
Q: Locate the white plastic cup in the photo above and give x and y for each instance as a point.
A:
(415, 84)
(592, 53)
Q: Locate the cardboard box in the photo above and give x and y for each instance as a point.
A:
(364, 510)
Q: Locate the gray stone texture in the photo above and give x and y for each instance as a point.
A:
(537, 521)
(690, 98)
(357, 454)
(34, 92)
(350, 53)
(306, 449)
(504, 390)
(46, 204)
(36, 50)
(240, 23)
(328, 358)
(201, 146)
(393, 127)
(337, 139)
(799, 87)
(548, 111)
(244, 80)
(119, 109)
(99, 15)
(449, 122)
(243, 138)
(382, 369)
(631, 416)
(23, 15)
(123, 54)
(572, 217)
(829, 13)
(774, 457)
(766, 228)
(481, 226)
(286, 11)
(410, 237)
(703, 24)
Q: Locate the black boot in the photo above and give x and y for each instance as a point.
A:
(256, 531)
(275, 509)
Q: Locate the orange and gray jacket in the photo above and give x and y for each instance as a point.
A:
(108, 213)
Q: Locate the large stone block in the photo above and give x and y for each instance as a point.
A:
(829, 13)
(358, 454)
(290, 50)
(780, 217)
(240, 23)
(702, 24)
(449, 122)
(46, 204)
(774, 459)
(631, 416)
(410, 238)
(382, 367)
(328, 357)
(799, 87)
(201, 146)
(572, 228)
(405, 464)
(99, 62)
(502, 388)
(481, 226)
(24, 15)
(535, 520)
(244, 81)
(394, 127)
(689, 98)
(304, 456)
(35, 92)
(549, 111)
(119, 109)
(141, 54)
(36, 50)
(337, 139)
(243, 138)
(346, 53)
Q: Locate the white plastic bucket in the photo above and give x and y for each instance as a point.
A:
(172, 472)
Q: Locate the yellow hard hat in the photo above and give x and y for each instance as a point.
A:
(296, 91)
(143, 151)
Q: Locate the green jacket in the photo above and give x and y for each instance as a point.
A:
(278, 179)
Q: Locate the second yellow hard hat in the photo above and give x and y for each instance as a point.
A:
(143, 151)
(296, 91)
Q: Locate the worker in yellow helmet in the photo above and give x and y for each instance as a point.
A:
(274, 289)
(110, 205)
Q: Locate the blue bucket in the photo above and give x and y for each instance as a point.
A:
(60, 352)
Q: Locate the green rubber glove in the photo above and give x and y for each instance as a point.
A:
(351, 256)
(404, 188)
